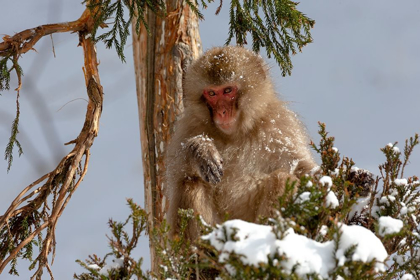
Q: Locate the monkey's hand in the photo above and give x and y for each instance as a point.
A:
(205, 158)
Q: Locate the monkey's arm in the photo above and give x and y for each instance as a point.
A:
(195, 163)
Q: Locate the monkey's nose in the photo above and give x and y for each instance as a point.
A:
(222, 112)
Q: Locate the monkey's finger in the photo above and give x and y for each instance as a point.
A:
(216, 178)
(205, 174)
(216, 161)
(221, 172)
(210, 173)
(219, 167)
(216, 173)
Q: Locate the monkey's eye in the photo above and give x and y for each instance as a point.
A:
(228, 90)
(211, 93)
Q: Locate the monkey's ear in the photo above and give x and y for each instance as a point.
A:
(262, 72)
(261, 68)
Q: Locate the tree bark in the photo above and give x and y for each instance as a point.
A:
(160, 58)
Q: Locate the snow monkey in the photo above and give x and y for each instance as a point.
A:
(236, 144)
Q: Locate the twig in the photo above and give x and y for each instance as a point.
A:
(219, 8)
(71, 102)
(52, 43)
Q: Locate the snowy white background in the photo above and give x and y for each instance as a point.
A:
(360, 77)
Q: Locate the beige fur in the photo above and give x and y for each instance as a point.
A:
(268, 146)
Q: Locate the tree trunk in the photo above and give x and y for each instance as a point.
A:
(160, 58)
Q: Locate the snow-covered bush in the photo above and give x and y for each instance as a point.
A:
(341, 223)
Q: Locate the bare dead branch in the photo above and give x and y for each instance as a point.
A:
(38, 214)
(25, 40)
(17, 200)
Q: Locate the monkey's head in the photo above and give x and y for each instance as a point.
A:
(230, 87)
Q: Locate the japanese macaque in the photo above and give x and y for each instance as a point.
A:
(236, 144)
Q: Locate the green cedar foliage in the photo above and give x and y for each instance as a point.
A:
(275, 25)
(24, 226)
(121, 23)
(311, 218)
(5, 70)
(122, 242)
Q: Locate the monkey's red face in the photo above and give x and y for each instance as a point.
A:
(222, 103)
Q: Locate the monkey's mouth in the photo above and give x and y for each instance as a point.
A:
(226, 126)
